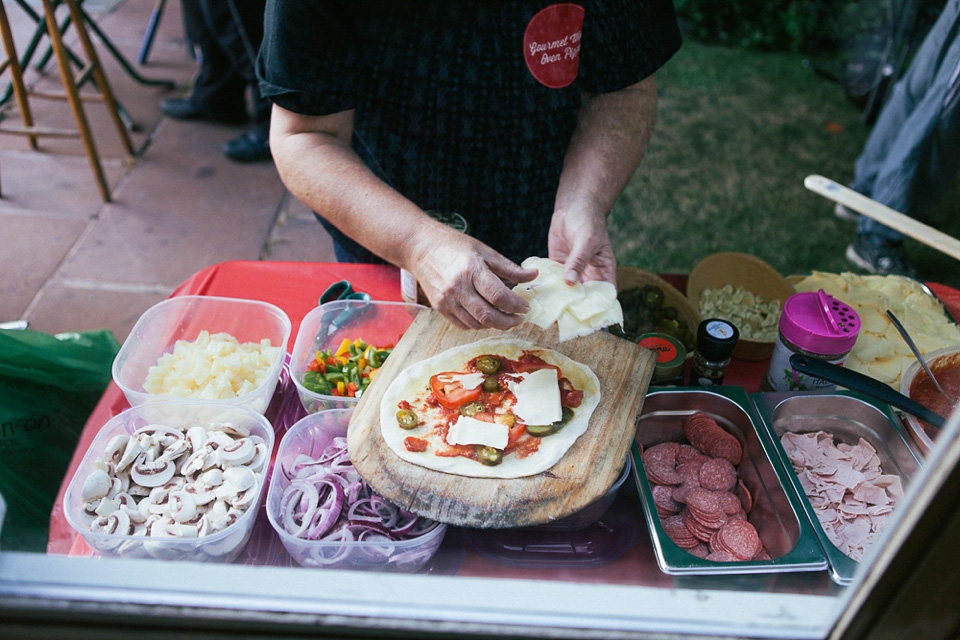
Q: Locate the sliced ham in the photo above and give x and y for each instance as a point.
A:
(846, 486)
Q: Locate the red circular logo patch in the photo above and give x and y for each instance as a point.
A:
(551, 44)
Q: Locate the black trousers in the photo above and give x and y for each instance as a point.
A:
(227, 35)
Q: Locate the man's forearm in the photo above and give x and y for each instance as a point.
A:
(612, 134)
(315, 162)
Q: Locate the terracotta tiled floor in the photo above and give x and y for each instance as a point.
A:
(71, 262)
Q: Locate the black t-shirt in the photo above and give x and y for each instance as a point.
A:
(463, 106)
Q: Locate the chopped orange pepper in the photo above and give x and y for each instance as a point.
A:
(352, 389)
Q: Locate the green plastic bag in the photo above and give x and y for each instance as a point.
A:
(49, 385)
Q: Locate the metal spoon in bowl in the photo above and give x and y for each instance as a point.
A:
(916, 352)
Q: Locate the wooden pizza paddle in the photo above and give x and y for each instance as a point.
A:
(881, 213)
(586, 471)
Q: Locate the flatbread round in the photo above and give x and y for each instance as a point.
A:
(413, 384)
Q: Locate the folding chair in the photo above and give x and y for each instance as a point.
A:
(92, 69)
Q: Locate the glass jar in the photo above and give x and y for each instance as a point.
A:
(670, 358)
(716, 340)
(816, 325)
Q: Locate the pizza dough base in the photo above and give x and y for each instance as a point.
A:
(412, 384)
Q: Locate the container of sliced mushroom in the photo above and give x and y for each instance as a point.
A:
(848, 459)
(715, 502)
(172, 480)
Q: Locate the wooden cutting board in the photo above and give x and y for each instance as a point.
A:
(585, 472)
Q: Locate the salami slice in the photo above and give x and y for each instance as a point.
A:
(705, 434)
(737, 537)
(717, 474)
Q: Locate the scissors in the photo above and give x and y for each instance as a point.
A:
(357, 302)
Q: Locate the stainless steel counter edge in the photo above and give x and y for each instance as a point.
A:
(94, 590)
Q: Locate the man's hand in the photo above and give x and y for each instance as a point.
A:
(580, 241)
(469, 283)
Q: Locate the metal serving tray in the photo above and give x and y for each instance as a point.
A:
(849, 416)
(777, 514)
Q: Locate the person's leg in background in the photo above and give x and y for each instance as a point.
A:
(218, 90)
(239, 28)
(910, 156)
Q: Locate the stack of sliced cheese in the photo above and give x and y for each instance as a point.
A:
(578, 309)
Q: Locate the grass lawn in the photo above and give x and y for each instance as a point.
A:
(736, 134)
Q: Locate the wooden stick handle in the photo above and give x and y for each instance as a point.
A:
(883, 214)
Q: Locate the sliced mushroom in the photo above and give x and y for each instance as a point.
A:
(212, 477)
(195, 463)
(260, 459)
(130, 453)
(96, 485)
(196, 436)
(238, 452)
(183, 507)
(116, 447)
(117, 523)
(230, 429)
(151, 473)
(241, 477)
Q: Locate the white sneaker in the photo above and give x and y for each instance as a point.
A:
(848, 215)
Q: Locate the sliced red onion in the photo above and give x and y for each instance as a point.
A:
(328, 501)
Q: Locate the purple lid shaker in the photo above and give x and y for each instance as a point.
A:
(819, 323)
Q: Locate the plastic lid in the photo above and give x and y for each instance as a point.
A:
(670, 354)
(716, 339)
(819, 323)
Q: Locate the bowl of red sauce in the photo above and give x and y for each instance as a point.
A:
(945, 365)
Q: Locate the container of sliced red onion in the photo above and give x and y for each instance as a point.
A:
(327, 516)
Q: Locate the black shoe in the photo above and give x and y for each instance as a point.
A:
(185, 109)
(252, 146)
(880, 256)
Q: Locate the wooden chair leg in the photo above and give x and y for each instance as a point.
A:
(16, 75)
(99, 77)
(73, 97)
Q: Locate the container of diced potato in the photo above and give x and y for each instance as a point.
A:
(204, 349)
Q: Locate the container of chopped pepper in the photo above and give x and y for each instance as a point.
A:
(341, 346)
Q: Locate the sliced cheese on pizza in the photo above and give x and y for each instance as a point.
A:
(538, 397)
(468, 430)
(468, 380)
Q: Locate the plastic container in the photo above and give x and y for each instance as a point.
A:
(670, 357)
(311, 436)
(940, 360)
(183, 318)
(221, 546)
(377, 322)
(816, 325)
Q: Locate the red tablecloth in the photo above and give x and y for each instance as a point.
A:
(295, 288)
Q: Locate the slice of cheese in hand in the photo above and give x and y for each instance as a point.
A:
(578, 309)
(538, 397)
(468, 430)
